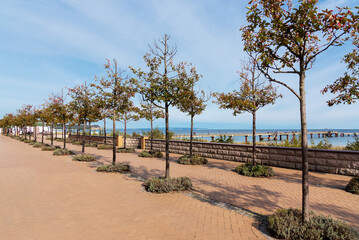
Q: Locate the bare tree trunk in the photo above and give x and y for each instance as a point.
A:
(114, 138)
(35, 132)
(90, 131)
(191, 138)
(167, 142)
(83, 137)
(78, 132)
(56, 131)
(64, 133)
(305, 165)
(52, 134)
(254, 137)
(43, 129)
(104, 129)
(125, 132)
(151, 147)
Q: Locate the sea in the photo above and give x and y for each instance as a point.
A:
(335, 141)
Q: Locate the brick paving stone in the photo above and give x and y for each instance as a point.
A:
(51, 197)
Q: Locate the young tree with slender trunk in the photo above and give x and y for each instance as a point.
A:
(192, 102)
(163, 84)
(117, 90)
(131, 113)
(253, 94)
(150, 112)
(83, 105)
(288, 40)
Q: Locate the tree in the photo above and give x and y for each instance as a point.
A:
(192, 102)
(150, 112)
(253, 94)
(116, 90)
(128, 114)
(288, 39)
(347, 86)
(82, 104)
(163, 83)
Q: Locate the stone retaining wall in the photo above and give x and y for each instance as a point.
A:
(320, 160)
(97, 139)
(132, 142)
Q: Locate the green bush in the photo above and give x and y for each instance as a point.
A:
(353, 185)
(49, 148)
(118, 167)
(91, 144)
(125, 150)
(32, 142)
(157, 134)
(165, 185)
(251, 170)
(151, 153)
(59, 140)
(354, 146)
(194, 160)
(38, 145)
(27, 141)
(22, 139)
(48, 138)
(103, 146)
(145, 154)
(224, 139)
(323, 144)
(77, 143)
(62, 152)
(287, 224)
(84, 158)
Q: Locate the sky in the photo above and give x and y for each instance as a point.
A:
(46, 46)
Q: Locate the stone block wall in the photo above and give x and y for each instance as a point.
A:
(132, 142)
(98, 139)
(320, 160)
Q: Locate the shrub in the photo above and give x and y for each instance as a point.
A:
(194, 160)
(251, 170)
(49, 148)
(224, 139)
(27, 141)
(48, 138)
(354, 146)
(62, 152)
(353, 185)
(287, 224)
(32, 142)
(22, 139)
(165, 185)
(145, 154)
(59, 140)
(125, 150)
(77, 143)
(323, 144)
(38, 145)
(91, 144)
(103, 146)
(157, 134)
(118, 167)
(151, 153)
(84, 158)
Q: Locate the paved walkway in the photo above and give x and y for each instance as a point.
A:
(261, 195)
(49, 197)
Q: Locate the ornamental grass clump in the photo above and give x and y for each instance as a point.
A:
(353, 185)
(151, 154)
(38, 145)
(194, 160)
(49, 148)
(118, 167)
(91, 144)
(27, 141)
(62, 152)
(166, 185)
(84, 158)
(257, 170)
(32, 142)
(104, 146)
(125, 150)
(287, 224)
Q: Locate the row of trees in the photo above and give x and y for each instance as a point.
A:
(279, 38)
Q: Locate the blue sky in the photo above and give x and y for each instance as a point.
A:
(49, 45)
